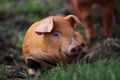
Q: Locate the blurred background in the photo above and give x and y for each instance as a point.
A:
(17, 15)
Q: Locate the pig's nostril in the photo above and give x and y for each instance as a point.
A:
(73, 50)
(77, 49)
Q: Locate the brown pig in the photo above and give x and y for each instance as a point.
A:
(82, 9)
(52, 40)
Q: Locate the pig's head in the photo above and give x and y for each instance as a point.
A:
(59, 37)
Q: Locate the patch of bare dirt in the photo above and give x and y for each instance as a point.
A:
(105, 49)
(11, 57)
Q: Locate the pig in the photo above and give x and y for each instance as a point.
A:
(82, 9)
(52, 40)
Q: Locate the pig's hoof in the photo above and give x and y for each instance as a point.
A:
(32, 66)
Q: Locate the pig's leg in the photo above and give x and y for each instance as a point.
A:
(85, 15)
(83, 11)
(32, 66)
(107, 11)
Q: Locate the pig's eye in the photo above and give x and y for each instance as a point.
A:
(56, 34)
(82, 44)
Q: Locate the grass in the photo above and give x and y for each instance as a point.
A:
(17, 38)
(116, 29)
(1, 28)
(2, 73)
(100, 70)
(54, 6)
(31, 9)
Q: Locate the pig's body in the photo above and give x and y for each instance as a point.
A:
(83, 11)
(60, 44)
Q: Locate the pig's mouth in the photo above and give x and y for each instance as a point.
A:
(81, 54)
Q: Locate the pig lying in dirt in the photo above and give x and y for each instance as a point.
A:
(83, 11)
(52, 40)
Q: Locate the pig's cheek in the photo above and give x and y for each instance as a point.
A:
(55, 43)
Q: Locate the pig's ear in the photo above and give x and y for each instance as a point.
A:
(73, 20)
(45, 26)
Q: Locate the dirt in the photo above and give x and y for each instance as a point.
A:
(105, 49)
(11, 57)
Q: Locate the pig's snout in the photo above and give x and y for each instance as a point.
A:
(74, 49)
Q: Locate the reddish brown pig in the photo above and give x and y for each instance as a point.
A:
(52, 40)
(83, 11)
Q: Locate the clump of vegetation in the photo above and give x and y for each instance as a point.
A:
(32, 9)
(100, 70)
(2, 73)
